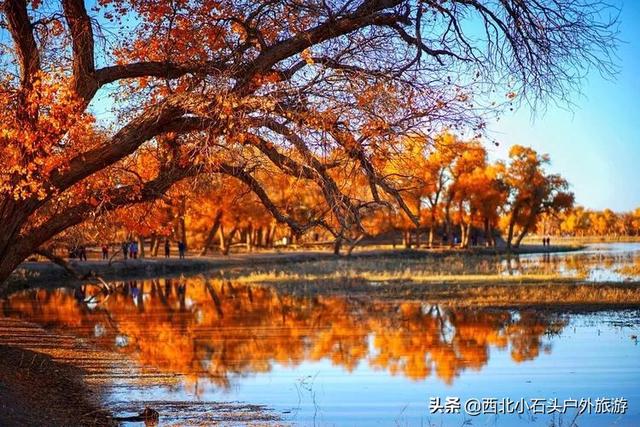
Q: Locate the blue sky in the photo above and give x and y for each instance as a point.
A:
(595, 144)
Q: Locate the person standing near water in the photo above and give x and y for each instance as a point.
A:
(125, 249)
(182, 248)
(105, 251)
(133, 249)
(167, 248)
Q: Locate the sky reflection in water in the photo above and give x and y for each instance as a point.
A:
(606, 262)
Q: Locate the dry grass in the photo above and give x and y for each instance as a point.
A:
(498, 294)
(458, 268)
(445, 281)
(406, 275)
(579, 295)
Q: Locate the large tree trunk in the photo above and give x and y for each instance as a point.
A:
(249, 238)
(527, 226)
(12, 256)
(141, 246)
(513, 218)
(510, 235)
(183, 225)
(221, 238)
(212, 232)
(406, 239)
(488, 233)
(337, 244)
(156, 246)
(229, 240)
(353, 244)
(15, 248)
(448, 227)
(10, 260)
(271, 235)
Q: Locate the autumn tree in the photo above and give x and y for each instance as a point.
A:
(635, 221)
(446, 147)
(533, 192)
(468, 176)
(575, 222)
(197, 82)
(479, 192)
(490, 198)
(420, 168)
(406, 167)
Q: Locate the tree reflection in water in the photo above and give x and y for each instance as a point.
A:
(215, 329)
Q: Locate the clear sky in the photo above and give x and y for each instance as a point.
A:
(596, 144)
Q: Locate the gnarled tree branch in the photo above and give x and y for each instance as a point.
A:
(22, 33)
(83, 45)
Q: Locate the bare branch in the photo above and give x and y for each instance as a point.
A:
(369, 13)
(82, 42)
(22, 33)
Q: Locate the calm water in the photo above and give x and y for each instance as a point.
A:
(199, 350)
(603, 262)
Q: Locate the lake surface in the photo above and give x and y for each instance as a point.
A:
(601, 262)
(201, 350)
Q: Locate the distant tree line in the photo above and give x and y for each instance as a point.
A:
(449, 194)
(581, 222)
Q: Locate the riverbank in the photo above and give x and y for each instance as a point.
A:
(52, 376)
(46, 273)
(38, 390)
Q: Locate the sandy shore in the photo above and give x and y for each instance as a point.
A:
(37, 389)
(50, 377)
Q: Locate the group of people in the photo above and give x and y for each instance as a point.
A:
(79, 252)
(182, 249)
(546, 241)
(130, 249)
